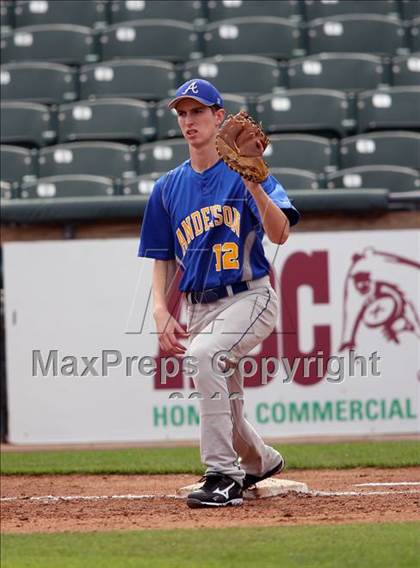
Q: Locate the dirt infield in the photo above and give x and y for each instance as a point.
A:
(109, 502)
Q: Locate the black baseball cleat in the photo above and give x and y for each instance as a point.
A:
(250, 479)
(218, 491)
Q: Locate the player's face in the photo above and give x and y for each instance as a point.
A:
(198, 123)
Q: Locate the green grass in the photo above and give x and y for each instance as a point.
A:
(187, 460)
(363, 545)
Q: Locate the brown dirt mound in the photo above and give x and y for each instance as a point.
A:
(369, 504)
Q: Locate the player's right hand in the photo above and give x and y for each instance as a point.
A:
(169, 331)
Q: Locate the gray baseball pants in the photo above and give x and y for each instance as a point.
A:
(236, 324)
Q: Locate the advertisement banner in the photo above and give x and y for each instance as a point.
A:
(83, 359)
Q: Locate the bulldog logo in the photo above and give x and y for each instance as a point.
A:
(375, 296)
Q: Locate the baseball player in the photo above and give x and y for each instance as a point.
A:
(208, 220)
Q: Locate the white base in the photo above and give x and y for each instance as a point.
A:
(262, 490)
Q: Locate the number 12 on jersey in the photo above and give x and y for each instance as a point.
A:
(226, 256)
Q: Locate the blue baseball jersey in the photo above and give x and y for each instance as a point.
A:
(209, 223)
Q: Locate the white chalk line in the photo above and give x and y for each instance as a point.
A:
(387, 484)
(58, 498)
(360, 493)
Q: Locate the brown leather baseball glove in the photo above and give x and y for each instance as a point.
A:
(241, 143)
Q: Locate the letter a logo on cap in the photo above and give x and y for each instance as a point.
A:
(199, 89)
(192, 87)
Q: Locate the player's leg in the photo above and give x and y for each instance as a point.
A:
(235, 326)
(216, 427)
(223, 481)
(257, 458)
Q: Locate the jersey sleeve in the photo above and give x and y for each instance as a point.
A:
(277, 193)
(156, 238)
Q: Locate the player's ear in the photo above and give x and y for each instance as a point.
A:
(220, 116)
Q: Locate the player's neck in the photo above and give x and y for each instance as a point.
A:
(203, 158)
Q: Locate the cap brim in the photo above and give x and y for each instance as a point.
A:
(204, 102)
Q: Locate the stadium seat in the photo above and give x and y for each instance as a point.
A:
(166, 121)
(327, 8)
(410, 9)
(167, 124)
(357, 33)
(91, 13)
(68, 186)
(396, 148)
(107, 159)
(397, 107)
(315, 110)
(302, 152)
(342, 71)
(48, 83)
(393, 178)
(27, 123)
(155, 39)
(58, 43)
(140, 78)
(241, 74)
(264, 36)
(236, 103)
(415, 34)
(17, 164)
(162, 156)
(221, 10)
(406, 70)
(292, 178)
(326, 200)
(184, 10)
(6, 15)
(7, 191)
(141, 185)
(106, 119)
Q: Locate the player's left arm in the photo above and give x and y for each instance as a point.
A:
(275, 223)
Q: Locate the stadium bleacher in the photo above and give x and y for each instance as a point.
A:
(182, 10)
(106, 119)
(40, 82)
(302, 151)
(341, 71)
(395, 148)
(307, 110)
(18, 164)
(238, 74)
(110, 159)
(325, 9)
(6, 15)
(91, 14)
(171, 40)
(65, 186)
(414, 38)
(143, 79)
(58, 43)
(406, 70)
(289, 9)
(84, 90)
(27, 123)
(268, 36)
(162, 155)
(397, 107)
